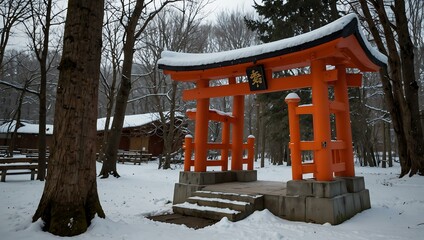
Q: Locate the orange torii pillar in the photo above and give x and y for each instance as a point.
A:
(226, 143)
(201, 129)
(343, 126)
(329, 156)
(238, 125)
(321, 122)
(292, 101)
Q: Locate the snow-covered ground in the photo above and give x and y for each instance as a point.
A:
(397, 209)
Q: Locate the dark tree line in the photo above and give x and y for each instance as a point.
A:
(390, 29)
(393, 26)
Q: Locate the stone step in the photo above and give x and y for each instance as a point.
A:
(216, 205)
(215, 213)
(256, 201)
(221, 203)
(230, 196)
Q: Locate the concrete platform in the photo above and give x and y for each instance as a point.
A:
(306, 200)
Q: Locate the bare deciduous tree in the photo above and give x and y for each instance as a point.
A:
(20, 78)
(135, 19)
(38, 31)
(388, 24)
(12, 12)
(112, 55)
(176, 30)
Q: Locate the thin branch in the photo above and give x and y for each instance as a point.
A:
(151, 95)
(19, 87)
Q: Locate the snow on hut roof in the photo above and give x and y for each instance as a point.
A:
(129, 121)
(26, 127)
(343, 27)
(136, 120)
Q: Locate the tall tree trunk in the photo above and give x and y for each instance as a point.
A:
(109, 164)
(258, 130)
(42, 58)
(70, 199)
(399, 83)
(373, 159)
(365, 155)
(360, 154)
(109, 108)
(389, 146)
(415, 140)
(263, 141)
(17, 118)
(42, 144)
(385, 142)
(169, 128)
(285, 154)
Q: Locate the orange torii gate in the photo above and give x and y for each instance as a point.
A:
(340, 45)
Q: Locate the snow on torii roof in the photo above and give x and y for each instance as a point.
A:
(341, 28)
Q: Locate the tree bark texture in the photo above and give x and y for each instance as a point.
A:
(399, 83)
(70, 199)
(415, 138)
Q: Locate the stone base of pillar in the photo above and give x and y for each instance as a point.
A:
(190, 182)
(297, 200)
(325, 202)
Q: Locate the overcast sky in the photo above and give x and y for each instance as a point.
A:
(233, 4)
(18, 40)
(221, 5)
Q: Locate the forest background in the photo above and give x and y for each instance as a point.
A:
(29, 72)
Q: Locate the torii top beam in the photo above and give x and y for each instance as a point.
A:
(339, 43)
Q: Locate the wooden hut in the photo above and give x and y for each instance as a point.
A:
(27, 134)
(141, 132)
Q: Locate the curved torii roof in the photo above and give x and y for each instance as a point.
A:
(339, 42)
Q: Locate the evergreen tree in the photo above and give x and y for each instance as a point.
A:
(282, 19)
